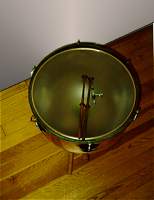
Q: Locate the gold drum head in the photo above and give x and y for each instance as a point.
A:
(56, 88)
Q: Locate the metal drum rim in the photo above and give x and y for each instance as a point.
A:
(126, 62)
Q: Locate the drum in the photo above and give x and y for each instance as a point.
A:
(83, 94)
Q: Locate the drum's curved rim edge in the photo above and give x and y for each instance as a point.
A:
(114, 53)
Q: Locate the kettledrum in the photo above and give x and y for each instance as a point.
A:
(83, 94)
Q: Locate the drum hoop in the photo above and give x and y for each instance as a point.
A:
(124, 61)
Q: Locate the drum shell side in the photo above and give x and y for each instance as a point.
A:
(75, 147)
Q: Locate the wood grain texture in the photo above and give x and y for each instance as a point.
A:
(26, 155)
(121, 169)
(11, 91)
(33, 167)
(33, 176)
(15, 116)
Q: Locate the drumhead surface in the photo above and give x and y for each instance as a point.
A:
(56, 89)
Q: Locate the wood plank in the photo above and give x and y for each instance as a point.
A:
(131, 183)
(18, 136)
(145, 192)
(146, 75)
(34, 176)
(137, 46)
(141, 35)
(24, 159)
(16, 123)
(25, 147)
(147, 93)
(15, 106)
(140, 144)
(99, 175)
(11, 91)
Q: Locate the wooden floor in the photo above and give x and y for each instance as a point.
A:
(33, 168)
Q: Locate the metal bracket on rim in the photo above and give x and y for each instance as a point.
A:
(33, 119)
(34, 67)
(136, 114)
(95, 95)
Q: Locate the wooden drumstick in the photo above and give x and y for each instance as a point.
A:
(82, 107)
(90, 81)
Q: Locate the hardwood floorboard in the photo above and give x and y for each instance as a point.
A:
(102, 174)
(145, 192)
(131, 183)
(11, 91)
(19, 162)
(34, 176)
(26, 147)
(15, 118)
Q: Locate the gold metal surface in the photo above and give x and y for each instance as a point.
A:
(57, 87)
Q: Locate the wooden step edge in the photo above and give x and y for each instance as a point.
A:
(92, 169)
(82, 159)
(30, 165)
(4, 147)
(27, 146)
(139, 140)
(34, 176)
(21, 162)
